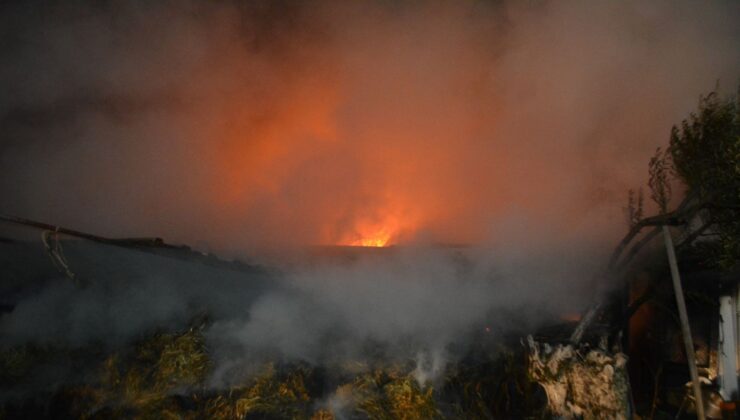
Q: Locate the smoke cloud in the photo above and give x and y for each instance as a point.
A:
(418, 303)
(243, 126)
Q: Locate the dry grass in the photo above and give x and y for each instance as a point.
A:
(392, 395)
(162, 377)
(282, 397)
(160, 365)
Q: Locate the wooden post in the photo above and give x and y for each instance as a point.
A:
(685, 329)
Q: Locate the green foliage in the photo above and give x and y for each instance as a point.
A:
(705, 150)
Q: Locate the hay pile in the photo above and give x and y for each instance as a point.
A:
(165, 376)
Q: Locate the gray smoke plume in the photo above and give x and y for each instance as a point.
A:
(404, 303)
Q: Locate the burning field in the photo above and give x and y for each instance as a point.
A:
(379, 201)
(146, 329)
(340, 332)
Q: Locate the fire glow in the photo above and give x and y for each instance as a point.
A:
(379, 238)
(374, 234)
(326, 136)
(377, 241)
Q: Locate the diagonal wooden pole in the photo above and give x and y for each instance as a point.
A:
(684, 317)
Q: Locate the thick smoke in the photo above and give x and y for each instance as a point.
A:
(270, 123)
(423, 303)
(243, 128)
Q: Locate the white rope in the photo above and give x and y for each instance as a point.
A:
(56, 253)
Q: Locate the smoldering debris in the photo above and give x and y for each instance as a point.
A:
(164, 373)
(581, 383)
(418, 307)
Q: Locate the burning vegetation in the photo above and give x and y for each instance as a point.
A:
(166, 374)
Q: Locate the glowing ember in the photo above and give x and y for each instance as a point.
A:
(571, 317)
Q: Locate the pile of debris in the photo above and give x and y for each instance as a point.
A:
(581, 383)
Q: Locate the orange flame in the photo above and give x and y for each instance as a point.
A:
(377, 233)
(372, 235)
(379, 239)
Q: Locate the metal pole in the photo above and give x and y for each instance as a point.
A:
(685, 329)
(727, 349)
